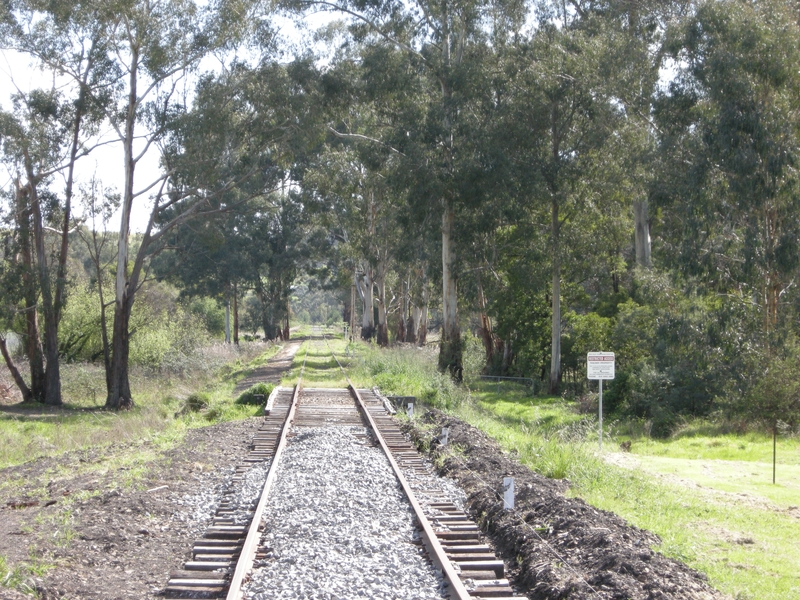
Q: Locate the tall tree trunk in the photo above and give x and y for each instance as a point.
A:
(228, 321)
(235, 314)
(422, 336)
(33, 342)
(486, 324)
(642, 233)
(23, 388)
(507, 355)
(52, 375)
(401, 321)
(412, 325)
(555, 338)
(353, 307)
(450, 352)
(368, 316)
(119, 394)
(380, 284)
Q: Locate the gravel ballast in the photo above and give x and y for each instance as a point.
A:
(339, 526)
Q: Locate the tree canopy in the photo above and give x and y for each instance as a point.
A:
(549, 178)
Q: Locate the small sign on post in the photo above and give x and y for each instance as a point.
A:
(508, 493)
(444, 436)
(410, 410)
(600, 366)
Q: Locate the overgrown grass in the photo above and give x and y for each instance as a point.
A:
(404, 372)
(160, 415)
(746, 545)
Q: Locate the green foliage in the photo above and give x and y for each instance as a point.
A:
(406, 372)
(210, 314)
(774, 399)
(259, 389)
(584, 333)
(197, 401)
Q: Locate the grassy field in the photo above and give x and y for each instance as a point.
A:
(161, 412)
(722, 517)
(706, 492)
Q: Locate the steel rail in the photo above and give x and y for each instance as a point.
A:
(250, 546)
(436, 552)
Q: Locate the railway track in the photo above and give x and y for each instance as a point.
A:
(223, 559)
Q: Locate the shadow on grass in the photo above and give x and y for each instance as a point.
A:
(37, 411)
(549, 422)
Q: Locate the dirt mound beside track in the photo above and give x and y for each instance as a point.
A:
(564, 548)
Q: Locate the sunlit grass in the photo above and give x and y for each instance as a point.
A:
(321, 369)
(745, 544)
(30, 430)
(701, 440)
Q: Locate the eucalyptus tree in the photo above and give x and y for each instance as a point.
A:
(44, 138)
(442, 42)
(634, 67)
(208, 260)
(128, 60)
(558, 117)
(730, 148)
(238, 153)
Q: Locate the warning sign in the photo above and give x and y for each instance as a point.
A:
(600, 365)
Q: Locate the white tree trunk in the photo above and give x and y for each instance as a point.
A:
(422, 329)
(412, 326)
(380, 285)
(642, 233)
(450, 352)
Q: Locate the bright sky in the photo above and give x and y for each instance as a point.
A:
(19, 72)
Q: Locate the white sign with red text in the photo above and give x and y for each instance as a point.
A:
(600, 365)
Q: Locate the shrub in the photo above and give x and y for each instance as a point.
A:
(249, 396)
(210, 313)
(196, 402)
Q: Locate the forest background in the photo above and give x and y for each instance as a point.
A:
(547, 178)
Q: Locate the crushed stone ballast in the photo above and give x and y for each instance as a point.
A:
(333, 501)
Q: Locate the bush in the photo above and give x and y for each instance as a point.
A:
(249, 396)
(210, 313)
(196, 402)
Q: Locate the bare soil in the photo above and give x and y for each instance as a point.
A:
(557, 547)
(100, 538)
(91, 532)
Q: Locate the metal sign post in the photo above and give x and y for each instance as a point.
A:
(600, 366)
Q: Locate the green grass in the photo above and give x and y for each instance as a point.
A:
(159, 416)
(752, 481)
(19, 577)
(747, 548)
(704, 440)
(321, 369)
(737, 528)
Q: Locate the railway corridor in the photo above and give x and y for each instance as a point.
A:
(348, 510)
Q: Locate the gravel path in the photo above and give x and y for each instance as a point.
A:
(338, 526)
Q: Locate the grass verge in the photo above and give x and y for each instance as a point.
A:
(744, 539)
(165, 406)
